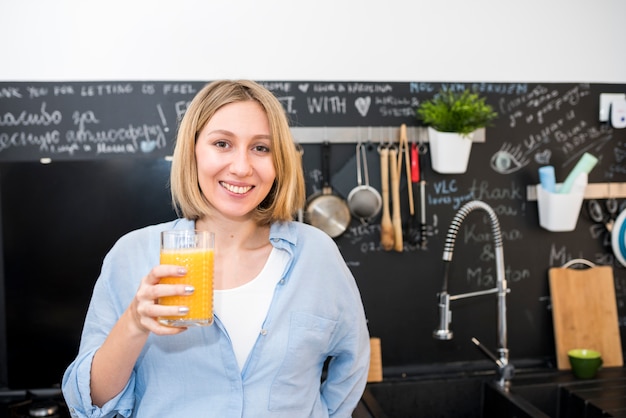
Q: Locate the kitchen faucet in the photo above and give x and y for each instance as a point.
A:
(505, 370)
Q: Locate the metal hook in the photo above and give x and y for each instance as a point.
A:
(382, 145)
(421, 146)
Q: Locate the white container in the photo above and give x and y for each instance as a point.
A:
(449, 151)
(559, 212)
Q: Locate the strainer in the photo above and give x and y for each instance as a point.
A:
(364, 200)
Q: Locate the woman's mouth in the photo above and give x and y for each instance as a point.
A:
(235, 189)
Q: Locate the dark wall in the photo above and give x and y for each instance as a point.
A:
(59, 221)
(107, 142)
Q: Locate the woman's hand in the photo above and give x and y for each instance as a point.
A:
(145, 308)
(113, 363)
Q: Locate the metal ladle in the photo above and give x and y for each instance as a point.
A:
(364, 200)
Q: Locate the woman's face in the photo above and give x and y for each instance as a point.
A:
(234, 156)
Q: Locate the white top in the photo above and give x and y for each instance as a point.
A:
(243, 309)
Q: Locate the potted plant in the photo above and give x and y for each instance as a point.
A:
(452, 118)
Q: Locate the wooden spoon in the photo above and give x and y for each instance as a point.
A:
(386, 227)
(395, 199)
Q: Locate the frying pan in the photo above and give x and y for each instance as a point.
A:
(325, 210)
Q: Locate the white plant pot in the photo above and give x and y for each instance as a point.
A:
(449, 151)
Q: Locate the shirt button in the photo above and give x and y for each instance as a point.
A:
(282, 281)
(263, 332)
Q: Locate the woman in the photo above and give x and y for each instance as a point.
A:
(287, 307)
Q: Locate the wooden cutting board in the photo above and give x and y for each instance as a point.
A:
(584, 313)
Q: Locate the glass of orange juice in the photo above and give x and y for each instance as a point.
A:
(193, 250)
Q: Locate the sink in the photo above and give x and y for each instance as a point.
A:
(544, 397)
(445, 397)
(559, 395)
(520, 402)
(532, 394)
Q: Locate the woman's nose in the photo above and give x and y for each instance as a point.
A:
(241, 163)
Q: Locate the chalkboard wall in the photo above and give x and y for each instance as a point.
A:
(107, 142)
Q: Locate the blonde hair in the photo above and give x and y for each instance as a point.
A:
(287, 194)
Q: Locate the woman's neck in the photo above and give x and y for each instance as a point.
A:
(241, 250)
(242, 235)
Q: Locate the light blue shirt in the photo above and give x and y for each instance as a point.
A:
(316, 313)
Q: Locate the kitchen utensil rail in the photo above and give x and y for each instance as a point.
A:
(350, 134)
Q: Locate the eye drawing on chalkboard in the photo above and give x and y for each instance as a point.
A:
(508, 159)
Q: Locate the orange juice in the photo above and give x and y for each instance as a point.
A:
(199, 265)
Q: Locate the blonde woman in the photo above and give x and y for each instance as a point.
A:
(290, 336)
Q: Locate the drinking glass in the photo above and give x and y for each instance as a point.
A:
(195, 251)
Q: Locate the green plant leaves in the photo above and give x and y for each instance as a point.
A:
(452, 111)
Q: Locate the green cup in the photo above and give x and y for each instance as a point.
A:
(585, 363)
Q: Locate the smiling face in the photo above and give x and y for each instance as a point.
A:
(245, 110)
(234, 157)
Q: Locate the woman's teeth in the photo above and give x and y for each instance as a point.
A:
(235, 189)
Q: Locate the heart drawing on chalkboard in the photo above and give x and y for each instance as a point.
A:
(543, 157)
(303, 87)
(363, 105)
(147, 146)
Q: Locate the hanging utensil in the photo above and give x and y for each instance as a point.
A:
(327, 211)
(404, 147)
(410, 230)
(423, 227)
(396, 218)
(364, 200)
(413, 231)
(386, 227)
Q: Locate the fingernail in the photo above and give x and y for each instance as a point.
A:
(189, 289)
(182, 271)
(183, 310)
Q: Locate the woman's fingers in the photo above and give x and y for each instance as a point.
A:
(146, 306)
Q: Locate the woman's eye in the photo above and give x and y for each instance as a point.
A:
(221, 144)
(262, 148)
